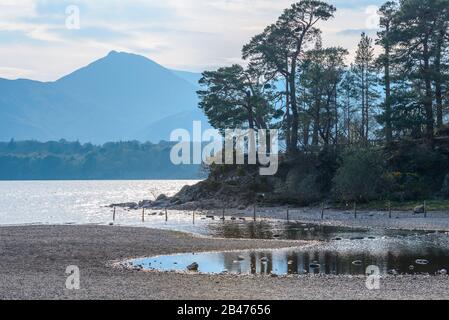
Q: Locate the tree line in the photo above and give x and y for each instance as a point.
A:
(63, 160)
(317, 98)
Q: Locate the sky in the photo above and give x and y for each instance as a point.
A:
(47, 39)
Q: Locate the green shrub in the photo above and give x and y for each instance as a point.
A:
(361, 175)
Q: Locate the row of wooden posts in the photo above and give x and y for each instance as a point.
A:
(390, 210)
(166, 214)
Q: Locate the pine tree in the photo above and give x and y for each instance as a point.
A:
(364, 70)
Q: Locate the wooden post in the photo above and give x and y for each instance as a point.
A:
(355, 210)
(193, 216)
(113, 215)
(288, 215)
(224, 214)
(143, 214)
(425, 209)
(322, 211)
(166, 215)
(255, 219)
(389, 208)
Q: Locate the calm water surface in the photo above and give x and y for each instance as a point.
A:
(344, 250)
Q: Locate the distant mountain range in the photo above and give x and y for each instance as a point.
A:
(117, 98)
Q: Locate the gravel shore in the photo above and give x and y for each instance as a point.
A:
(33, 260)
(400, 220)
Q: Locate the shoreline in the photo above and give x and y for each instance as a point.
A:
(401, 220)
(33, 267)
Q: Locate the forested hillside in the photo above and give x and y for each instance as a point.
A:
(29, 160)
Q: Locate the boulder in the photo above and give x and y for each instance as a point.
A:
(419, 209)
(145, 204)
(193, 267)
(162, 197)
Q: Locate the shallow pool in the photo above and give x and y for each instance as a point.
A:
(410, 254)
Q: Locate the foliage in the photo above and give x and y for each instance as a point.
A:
(360, 176)
(30, 160)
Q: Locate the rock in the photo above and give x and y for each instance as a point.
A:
(442, 272)
(411, 268)
(162, 197)
(337, 239)
(264, 259)
(241, 208)
(241, 258)
(233, 218)
(314, 266)
(193, 267)
(243, 219)
(126, 205)
(274, 275)
(393, 272)
(357, 263)
(419, 209)
(145, 204)
(111, 224)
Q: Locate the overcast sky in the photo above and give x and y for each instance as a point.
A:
(191, 35)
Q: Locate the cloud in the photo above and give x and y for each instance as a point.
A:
(184, 34)
(356, 32)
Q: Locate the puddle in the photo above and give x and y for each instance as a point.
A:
(264, 229)
(393, 255)
(343, 251)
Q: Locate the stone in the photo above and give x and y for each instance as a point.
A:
(419, 209)
(393, 272)
(161, 197)
(241, 258)
(193, 267)
(357, 263)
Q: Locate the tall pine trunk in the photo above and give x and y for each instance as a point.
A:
(428, 105)
(438, 79)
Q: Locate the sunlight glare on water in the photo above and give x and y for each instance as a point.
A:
(80, 202)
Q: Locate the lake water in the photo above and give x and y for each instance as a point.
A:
(344, 250)
(81, 202)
